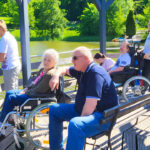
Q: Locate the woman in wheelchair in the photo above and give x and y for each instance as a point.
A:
(38, 88)
(123, 61)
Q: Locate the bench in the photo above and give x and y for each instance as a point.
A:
(121, 115)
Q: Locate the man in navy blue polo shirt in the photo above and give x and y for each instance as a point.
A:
(96, 92)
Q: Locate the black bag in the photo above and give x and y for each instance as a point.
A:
(140, 59)
(60, 95)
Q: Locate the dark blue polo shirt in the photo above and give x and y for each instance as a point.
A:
(95, 83)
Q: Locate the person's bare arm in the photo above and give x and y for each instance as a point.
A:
(2, 57)
(116, 70)
(89, 106)
(24, 90)
(54, 81)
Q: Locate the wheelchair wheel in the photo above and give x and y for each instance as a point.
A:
(37, 129)
(135, 87)
(22, 145)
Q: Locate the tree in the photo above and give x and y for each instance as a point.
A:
(50, 20)
(144, 17)
(116, 17)
(89, 21)
(130, 24)
(139, 6)
(11, 9)
(74, 8)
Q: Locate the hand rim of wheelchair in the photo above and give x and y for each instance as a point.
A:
(29, 120)
(131, 80)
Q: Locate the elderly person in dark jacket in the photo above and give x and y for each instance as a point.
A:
(38, 88)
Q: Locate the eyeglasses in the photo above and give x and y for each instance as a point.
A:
(75, 57)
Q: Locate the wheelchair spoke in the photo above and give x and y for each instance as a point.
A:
(136, 87)
(37, 127)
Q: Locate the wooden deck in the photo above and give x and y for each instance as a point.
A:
(130, 136)
(127, 137)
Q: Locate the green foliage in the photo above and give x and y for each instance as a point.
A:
(89, 24)
(11, 9)
(74, 8)
(116, 17)
(130, 24)
(139, 6)
(145, 16)
(50, 20)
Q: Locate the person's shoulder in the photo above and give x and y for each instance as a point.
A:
(9, 37)
(99, 73)
(51, 72)
(97, 69)
(6, 35)
(126, 55)
(110, 60)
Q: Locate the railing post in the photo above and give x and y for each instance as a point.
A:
(102, 27)
(25, 41)
(102, 6)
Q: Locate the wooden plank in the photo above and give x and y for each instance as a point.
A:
(110, 111)
(131, 140)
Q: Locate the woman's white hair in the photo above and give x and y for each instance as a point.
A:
(53, 53)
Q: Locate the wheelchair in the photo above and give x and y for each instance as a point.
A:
(130, 84)
(32, 120)
(31, 117)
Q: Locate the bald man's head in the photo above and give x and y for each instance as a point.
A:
(81, 59)
(84, 51)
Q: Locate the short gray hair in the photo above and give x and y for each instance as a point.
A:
(52, 53)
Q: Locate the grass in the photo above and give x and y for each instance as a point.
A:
(69, 35)
(74, 35)
(7, 19)
(15, 33)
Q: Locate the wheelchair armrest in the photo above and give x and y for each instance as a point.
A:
(31, 103)
(34, 73)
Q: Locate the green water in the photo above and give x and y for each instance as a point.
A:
(38, 47)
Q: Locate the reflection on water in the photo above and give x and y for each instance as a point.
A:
(37, 47)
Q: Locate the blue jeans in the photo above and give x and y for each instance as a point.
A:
(79, 128)
(12, 99)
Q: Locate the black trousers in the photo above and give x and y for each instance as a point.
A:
(146, 69)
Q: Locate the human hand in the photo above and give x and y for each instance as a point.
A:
(109, 72)
(54, 82)
(23, 91)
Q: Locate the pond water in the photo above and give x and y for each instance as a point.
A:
(37, 47)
